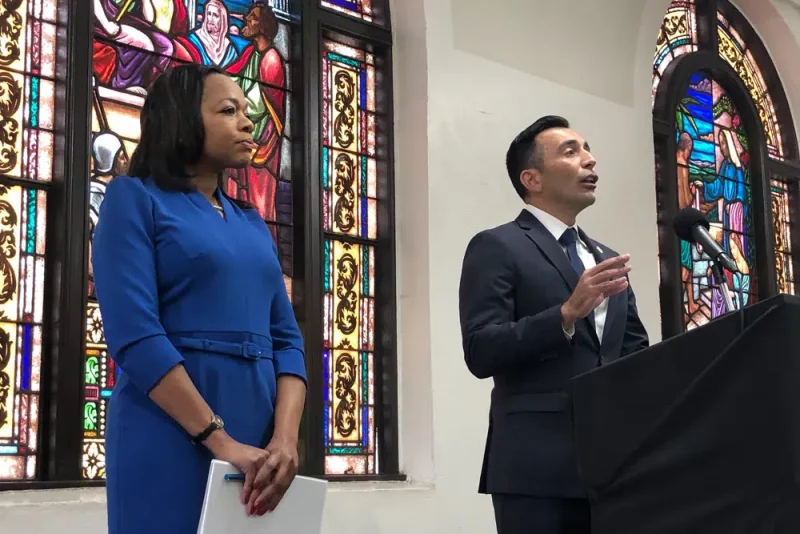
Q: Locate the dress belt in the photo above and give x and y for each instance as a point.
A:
(247, 350)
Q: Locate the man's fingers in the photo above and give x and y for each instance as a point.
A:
(613, 287)
(609, 274)
(610, 263)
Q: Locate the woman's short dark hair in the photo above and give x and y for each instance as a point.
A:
(172, 133)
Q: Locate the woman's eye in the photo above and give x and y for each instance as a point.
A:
(229, 111)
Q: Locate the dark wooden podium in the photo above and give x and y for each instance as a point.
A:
(700, 433)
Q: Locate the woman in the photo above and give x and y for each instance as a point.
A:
(196, 317)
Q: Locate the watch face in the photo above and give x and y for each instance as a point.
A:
(219, 421)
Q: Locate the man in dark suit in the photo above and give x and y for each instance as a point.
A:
(541, 302)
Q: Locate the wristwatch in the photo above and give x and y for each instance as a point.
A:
(216, 424)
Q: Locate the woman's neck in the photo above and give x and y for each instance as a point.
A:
(206, 184)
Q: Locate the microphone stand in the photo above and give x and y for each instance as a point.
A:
(722, 283)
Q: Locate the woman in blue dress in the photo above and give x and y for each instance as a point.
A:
(196, 316)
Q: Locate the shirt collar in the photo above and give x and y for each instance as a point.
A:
(553, 225)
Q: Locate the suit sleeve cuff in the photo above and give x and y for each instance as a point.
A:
(291, 362)
(568, 332)
(147, 361)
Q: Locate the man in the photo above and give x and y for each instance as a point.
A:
(540, 303)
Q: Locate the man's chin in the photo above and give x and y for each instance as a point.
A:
(587, 199)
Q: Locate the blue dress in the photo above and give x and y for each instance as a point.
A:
(178, 284)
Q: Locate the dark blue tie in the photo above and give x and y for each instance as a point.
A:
(569, 239)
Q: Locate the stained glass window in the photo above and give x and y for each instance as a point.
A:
(676, 36)
(349, 178)
(713, 154)
(27, 115)
(733, 50)
(712, 158)
(348, 362)
(349, 173)
(356, 8)
(782, 200)
(249, 40)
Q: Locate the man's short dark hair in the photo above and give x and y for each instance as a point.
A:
(522, 153)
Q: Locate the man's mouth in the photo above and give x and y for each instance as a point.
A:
(590, 182)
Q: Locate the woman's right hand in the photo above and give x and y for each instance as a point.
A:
(245, 458)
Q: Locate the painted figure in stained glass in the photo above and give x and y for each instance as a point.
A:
(741, 280)
(142, 51)
(713, 176)
(687, 190)
(725, 195)
(212, 43)
(143, 37)
(108, 161)
(261, 62)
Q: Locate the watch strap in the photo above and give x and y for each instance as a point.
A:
(216, 424)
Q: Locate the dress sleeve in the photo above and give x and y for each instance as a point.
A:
(123, 258)
(287, 342)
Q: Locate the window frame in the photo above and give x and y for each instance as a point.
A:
(63, 345)
(672, 87)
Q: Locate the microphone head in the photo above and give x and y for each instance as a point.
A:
(685, 220)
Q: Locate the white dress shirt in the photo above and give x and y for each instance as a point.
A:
(557, 228)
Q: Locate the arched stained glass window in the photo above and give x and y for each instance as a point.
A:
(725, 145)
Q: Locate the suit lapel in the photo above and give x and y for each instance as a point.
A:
(552, 250)
(616, 302)
(549, 246)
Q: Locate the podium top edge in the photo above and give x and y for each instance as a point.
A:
(778, 301)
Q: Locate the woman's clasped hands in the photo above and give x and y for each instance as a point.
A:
(268, 473)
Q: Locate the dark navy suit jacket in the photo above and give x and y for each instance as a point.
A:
(514, 280)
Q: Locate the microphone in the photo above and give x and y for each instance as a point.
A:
(690, 225)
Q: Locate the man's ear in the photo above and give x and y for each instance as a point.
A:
(531, 180)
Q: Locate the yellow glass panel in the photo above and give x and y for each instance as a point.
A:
(11, 95)
(346, 384)
(345, 294)
(345, 112)
(12, 37)
(8, 379)
(345, 195)
(10, 203)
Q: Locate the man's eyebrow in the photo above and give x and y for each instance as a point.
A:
(573, 143)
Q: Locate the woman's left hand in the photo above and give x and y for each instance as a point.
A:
(274, 477)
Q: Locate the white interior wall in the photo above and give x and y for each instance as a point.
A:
(468, 78)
